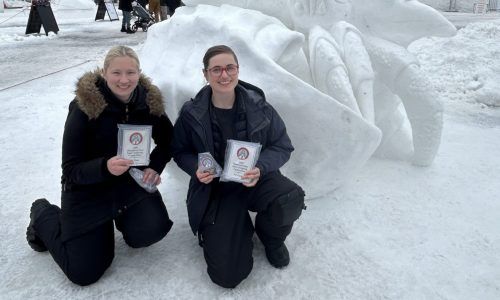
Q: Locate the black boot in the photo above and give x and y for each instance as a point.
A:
(276, 251)
(278, 257)
(123, 29)
(33, 240)
(130, 30)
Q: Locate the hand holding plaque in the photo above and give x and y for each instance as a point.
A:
(206, 163)
(134, 143)
(138, 176)
(240, 157)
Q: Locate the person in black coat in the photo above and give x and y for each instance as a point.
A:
(228, 108)
(173, 5)
(126, 7)
(98, 192)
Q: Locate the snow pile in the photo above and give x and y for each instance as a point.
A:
(15, 3)
(55, 4)
(30, 37)
(72, 4)
(463, 69)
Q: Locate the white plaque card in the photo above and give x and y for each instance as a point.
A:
(240, 157)
(134, 143)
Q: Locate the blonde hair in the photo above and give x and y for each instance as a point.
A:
(120, 51)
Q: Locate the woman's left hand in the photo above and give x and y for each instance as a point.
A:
(253, 175)
(151, 176)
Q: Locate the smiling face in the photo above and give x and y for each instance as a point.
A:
(223, 83)
(122, 76)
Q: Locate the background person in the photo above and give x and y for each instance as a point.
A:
(154, 9)
(164, 10)
(126, 7)
(173, 5)
(97, 191)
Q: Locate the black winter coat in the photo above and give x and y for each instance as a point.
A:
(125, 5)
(90, 194)
(173, 4)
(193, 135)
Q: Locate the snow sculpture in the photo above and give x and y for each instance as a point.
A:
(314, 60)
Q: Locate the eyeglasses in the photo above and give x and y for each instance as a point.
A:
(217, 70)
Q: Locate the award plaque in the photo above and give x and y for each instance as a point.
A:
(134, 143)
(206, 162)
(240, 157)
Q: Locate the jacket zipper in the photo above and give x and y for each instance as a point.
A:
(203, 134)
(126, 113)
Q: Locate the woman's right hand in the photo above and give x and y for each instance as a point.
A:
(117, 165)
(204, 176)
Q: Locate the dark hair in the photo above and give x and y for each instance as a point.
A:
(216, 50)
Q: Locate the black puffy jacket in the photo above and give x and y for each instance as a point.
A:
(125, 5)
(193, 135)
(90, 194)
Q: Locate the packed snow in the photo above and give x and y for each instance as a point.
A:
(475, 50)
(392, 231)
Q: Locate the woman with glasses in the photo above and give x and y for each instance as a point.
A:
(228, 108)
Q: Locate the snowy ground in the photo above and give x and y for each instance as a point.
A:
(394, 231)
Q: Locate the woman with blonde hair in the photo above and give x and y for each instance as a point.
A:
(98, 191)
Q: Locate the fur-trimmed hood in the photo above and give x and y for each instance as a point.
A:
(92, 102)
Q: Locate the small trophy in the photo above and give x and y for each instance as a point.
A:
(240, 157)
(134, 143)
(207, 163)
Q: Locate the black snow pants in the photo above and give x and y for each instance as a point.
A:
(85, 258)
(226, 231)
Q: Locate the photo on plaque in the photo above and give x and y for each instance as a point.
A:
(134, 143)
(206, 162)
(240, 157)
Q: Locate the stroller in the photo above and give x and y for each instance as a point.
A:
(144, 18)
